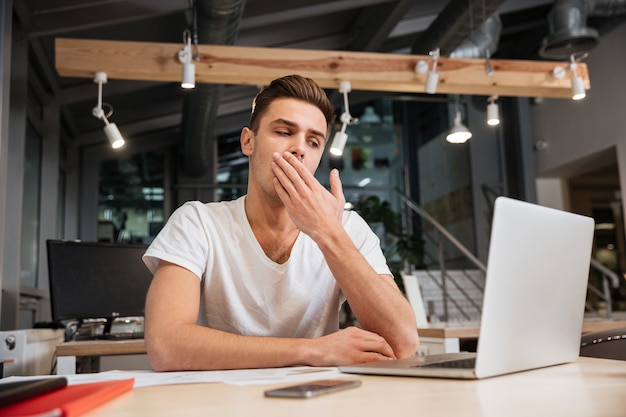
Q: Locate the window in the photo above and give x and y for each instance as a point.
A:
(131, 197)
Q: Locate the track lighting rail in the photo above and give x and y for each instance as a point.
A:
(366, 70)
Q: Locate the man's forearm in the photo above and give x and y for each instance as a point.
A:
(199, 348)
(194, 347)
(377, 302)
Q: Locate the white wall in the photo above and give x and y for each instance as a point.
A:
(581, 135)
(574, 130)
(550, 193)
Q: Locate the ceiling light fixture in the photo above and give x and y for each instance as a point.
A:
(458, 133)
(493, 112)
(184, 56)
(339, 141)
(432, 79)
(578, 87)
(488, 66)
(341, 137)
(110, 129)
(370, 116)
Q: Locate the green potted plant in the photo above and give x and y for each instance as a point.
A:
(399, 248)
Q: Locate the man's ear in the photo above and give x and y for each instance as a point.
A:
(246, 139)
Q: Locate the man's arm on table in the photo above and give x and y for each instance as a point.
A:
(375, 300)
(175, 342)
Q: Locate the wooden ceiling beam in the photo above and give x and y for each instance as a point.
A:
(365, 70)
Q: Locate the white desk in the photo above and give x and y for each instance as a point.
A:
(68, 352)
(588, 387)
(438, 338)
(446, 337)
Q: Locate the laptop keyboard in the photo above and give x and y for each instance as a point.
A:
(467, 363)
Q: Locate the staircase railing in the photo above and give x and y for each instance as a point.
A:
(609, 277)
(440, 239)
(604, 294)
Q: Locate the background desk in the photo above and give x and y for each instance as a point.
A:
(68, 352)
(588, 387)
(446, 337)
(438, 338)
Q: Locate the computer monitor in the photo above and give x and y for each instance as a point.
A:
(96, 280)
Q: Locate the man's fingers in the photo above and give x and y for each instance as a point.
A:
(299, 170)
(336, 189)
(373, 343)
(289, 172)
(283, 194)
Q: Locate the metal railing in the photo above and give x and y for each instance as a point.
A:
(609, 279)
(440, 239)
(604, 294)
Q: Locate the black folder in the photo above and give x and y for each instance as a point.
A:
(16, 391)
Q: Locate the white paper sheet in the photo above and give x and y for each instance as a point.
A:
(239, 377)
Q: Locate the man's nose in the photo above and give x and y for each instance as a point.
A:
(298, 155)
(298, 148)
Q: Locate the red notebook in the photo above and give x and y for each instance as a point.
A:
(71, 401)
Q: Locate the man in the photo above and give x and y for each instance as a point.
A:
(258, 282)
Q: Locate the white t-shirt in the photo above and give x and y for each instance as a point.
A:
(243, 291)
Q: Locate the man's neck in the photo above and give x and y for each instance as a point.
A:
(263, 214)
(272, 227)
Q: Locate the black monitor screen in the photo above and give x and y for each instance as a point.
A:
(96, 280)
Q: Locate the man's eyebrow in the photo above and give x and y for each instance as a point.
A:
(294, 124)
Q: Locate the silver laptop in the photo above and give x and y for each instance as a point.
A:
(534, 299)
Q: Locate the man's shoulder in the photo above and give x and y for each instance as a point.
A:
(216, 207)
(352, 219)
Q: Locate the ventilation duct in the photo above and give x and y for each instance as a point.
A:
(454, 25)
(569, 33)
(483, 42)
(218, 24)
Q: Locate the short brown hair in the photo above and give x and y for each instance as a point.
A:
(292, 86)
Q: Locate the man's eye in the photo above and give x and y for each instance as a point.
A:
(284, 133)
(314, 143)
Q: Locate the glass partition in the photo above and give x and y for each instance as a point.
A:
(131, 198)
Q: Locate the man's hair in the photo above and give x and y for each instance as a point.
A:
(292, 86)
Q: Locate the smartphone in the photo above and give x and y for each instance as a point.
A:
(313, 389)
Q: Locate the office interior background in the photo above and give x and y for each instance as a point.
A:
(60, 178)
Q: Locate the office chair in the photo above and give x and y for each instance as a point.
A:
(608, 344)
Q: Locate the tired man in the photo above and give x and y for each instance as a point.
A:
(259, 281)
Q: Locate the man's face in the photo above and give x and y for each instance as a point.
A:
(289, 125)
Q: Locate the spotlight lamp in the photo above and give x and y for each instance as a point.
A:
(110, 129)
(488, 67)
(493, 112)
(578, 85)
(189, 69)
(458, 133)
(341, 137)
(432, 78)
(339, 142)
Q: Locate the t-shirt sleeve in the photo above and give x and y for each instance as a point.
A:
(366, 241)
(181, 241)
